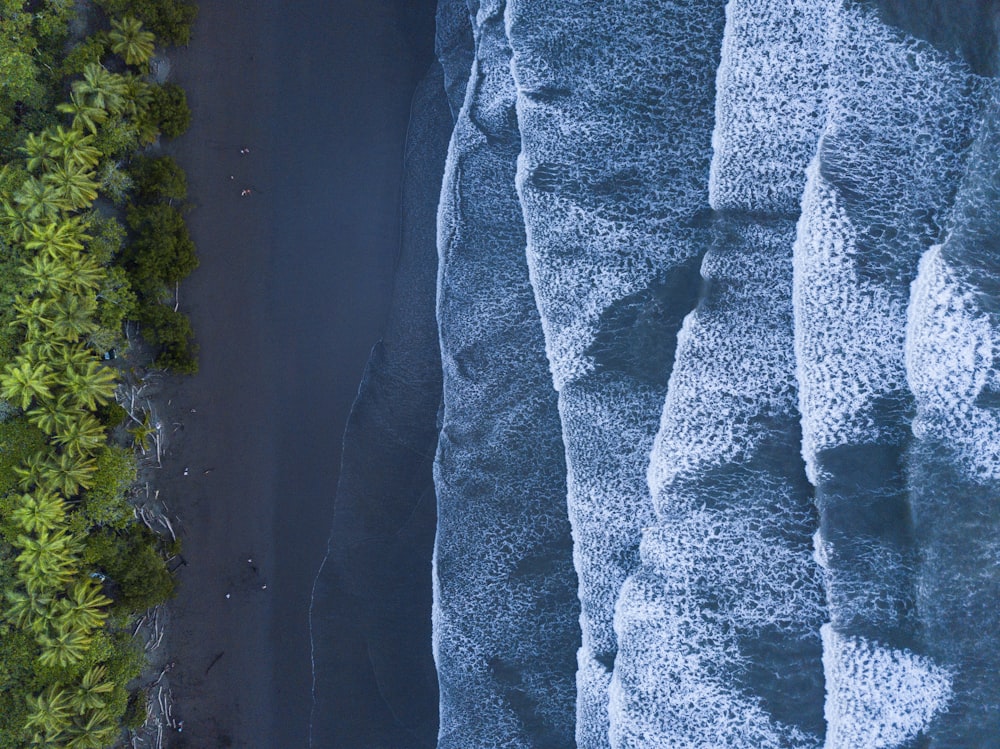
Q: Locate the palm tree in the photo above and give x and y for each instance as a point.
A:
(73, 317)
(34, 314)
(48, 276)
(85, 114)
(24, 379)
(39, 512)
(143, 432)
(40, 200)
(66, 648)
(29, 610)
(72, 146)
(45, 348)
(90, 694)
(80, 436)
(50, 711)
(74, 357)
(33, 473)
(129, 41)
(101, 88)
(139, 96)
(85, 273)
(84, 608)
(36, 148)
(91, 385)
(76, 185)
(16, 219)
(47, 560)
(94, 730)
(69, 473)
(58, 240)
(50, 414)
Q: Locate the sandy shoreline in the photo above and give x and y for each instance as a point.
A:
(292, 292)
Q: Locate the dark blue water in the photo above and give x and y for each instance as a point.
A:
(717, 300)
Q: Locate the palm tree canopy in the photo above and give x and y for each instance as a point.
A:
(25, 379)
(85, 115)
(64, 649)
(39, 512)
(80, 436)
(131, 42)
(101, 88)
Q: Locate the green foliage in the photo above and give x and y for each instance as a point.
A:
(19, 440)
(108, 237)
(116, 303)
(104, 504)
(135, 712)
(158, 179)
(111, 414)
(65, 289)
(161, 253)
(115, 182)
(88, 52)
(18, 651)
(117, 137)
(168, 110)
(129, 558)
(169, 20)
(171, 333)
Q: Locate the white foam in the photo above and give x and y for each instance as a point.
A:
(878, 697)
(770, 103)
(504, 614)
(672, 685)
(608, 436)
(899, 116)
(592, 683)
(615, 154)
(849, 331)
(734, 365)
(614, 109)
(950, 359)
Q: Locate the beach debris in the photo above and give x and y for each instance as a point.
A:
(214, 661)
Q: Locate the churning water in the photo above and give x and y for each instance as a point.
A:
(719, 314)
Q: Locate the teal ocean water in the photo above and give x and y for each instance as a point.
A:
(718, 448)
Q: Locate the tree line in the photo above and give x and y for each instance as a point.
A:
(75, 567)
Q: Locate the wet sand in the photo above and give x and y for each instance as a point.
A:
(292, 293)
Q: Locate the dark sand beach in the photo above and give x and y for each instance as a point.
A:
(292, 292)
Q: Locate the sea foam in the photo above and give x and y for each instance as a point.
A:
(614, 107)
(952, 336)
(505, 607)
(719, 631)
(899, 119)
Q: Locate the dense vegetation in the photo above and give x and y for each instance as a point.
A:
(91, 235)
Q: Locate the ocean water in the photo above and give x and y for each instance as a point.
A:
(505, 605)
(718, 299)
